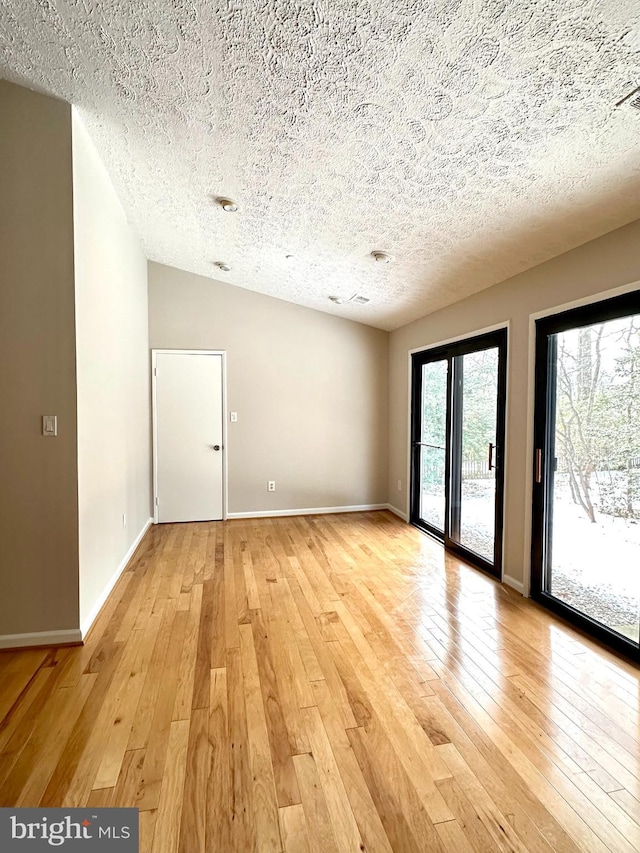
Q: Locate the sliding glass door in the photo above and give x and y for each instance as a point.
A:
(458, 398)
(586, 526)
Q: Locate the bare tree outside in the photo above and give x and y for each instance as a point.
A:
(595, 559)
(598, 417)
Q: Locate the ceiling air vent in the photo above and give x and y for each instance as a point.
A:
(359, 300)
(631, 100)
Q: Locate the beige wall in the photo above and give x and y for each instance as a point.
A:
(112, 348)
(38, 485)
(310, 391)
(609, 262)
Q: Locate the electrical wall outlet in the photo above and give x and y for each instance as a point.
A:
(271, 485)
(399, 485)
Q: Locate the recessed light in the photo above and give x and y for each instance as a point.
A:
(381, 257)
(228, 205)
(222, 266)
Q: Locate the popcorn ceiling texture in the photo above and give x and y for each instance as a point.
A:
(470, 139)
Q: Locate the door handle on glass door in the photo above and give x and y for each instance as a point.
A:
(538, 466)
(491, 449)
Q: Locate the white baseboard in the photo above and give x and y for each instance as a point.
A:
(513, 583)
(322, 510)
(40, 638)
(398, 512)
(99, 604)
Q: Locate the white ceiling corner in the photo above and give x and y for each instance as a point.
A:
(470, 139)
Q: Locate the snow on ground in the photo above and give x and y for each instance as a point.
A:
(595, 567)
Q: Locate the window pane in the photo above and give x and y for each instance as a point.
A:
(594, 559)
(479, 383)
(433, 438)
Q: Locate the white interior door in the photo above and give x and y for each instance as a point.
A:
(188, 436)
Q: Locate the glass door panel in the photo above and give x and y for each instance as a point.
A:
(458, 398)
(432, 443)
(586, 550)
(474, 452)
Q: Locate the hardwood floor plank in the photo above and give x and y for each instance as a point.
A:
(324, 657)
(575, 822)
(161, 726)
(241, 786)
(401, 811)
(281, 754)
(499, 777)
(453, 838)
(147, 833)
(200, 697)
(488, 813)
(129, 781)
(218, 641)
(140, 728)
(231, 635)
(31, 773)
(23, 717)
(187, 671)
(125, 708)
(284, 669)
(220, 798)
(194, 801)
(15, 720)
(321, 834)
(17, 670)
(467, 816)
(341, 814)
(265, 806)
(293, 829)
(364, 809)
(169, 816)
(74, 774)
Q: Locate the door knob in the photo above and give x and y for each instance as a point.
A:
(216, 447)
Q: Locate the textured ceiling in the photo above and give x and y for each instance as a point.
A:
(470, 139)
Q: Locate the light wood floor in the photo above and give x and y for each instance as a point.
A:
(328, 683)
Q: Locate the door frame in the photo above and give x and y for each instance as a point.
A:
(585, 313)
(459, 342)
(154, 422)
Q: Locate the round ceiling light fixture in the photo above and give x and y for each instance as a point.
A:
(228, 205)
(381, 257)
(222, 266)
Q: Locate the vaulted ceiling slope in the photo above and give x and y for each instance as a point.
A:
(470, 139)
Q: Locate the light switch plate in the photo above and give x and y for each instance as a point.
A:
(50, 425)
(234, 417)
